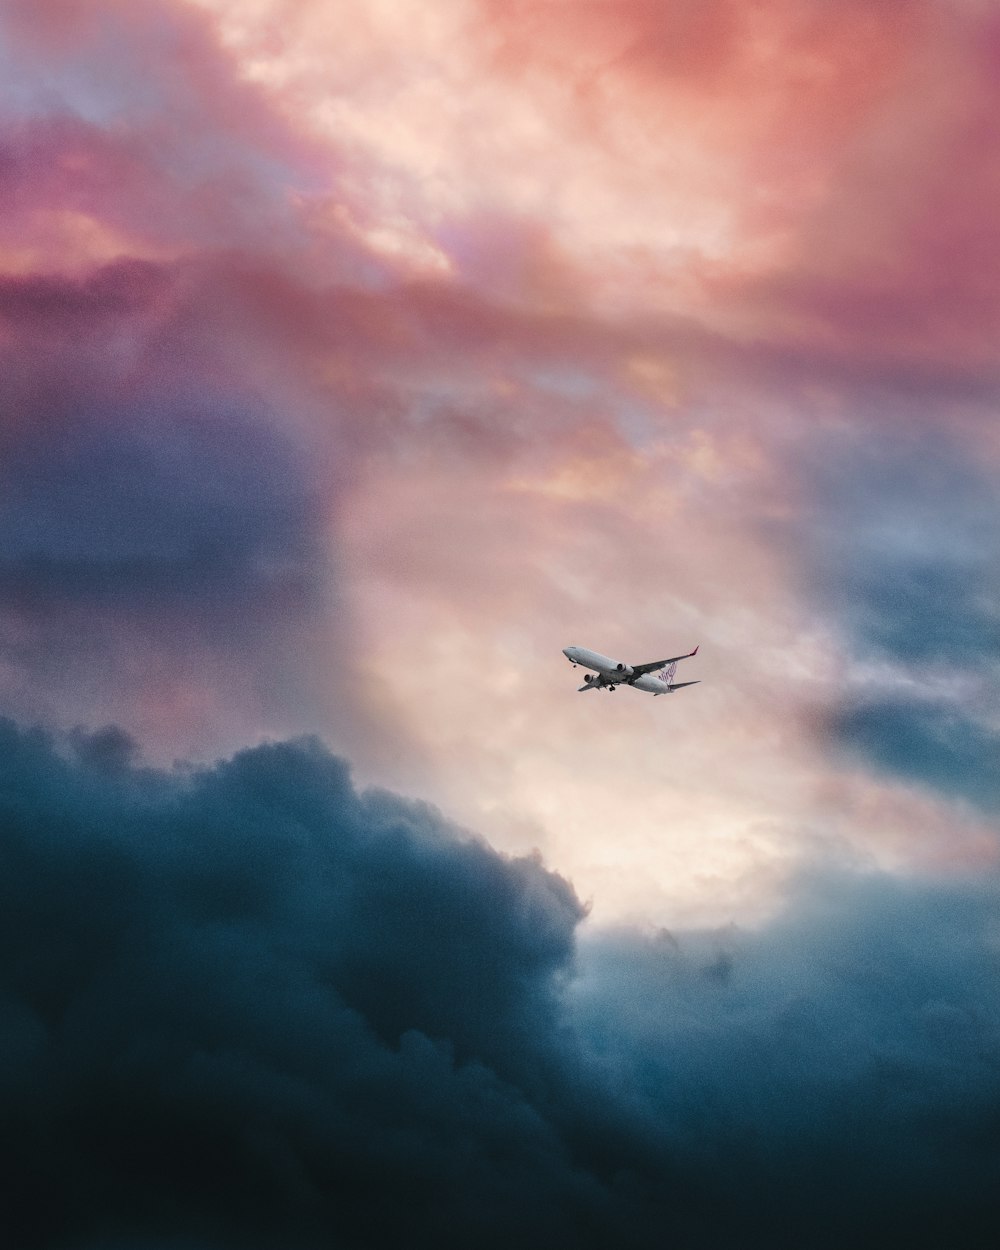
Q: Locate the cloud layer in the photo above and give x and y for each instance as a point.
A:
(248, 1006)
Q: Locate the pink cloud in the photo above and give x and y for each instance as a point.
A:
(533, 312)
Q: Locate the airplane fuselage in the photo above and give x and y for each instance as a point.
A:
(602, 664)
(611, 673)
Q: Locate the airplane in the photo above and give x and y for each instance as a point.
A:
(656, 678)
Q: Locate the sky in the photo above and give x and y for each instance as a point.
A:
(357, 357)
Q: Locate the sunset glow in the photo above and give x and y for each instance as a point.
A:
(358, 357)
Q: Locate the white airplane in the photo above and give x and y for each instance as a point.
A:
(657, 677)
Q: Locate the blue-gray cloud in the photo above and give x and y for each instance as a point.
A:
(925, 740)
(246, 1006)
(130, 479)
(829, 1079)
(253, 1007)
(155, 514)
(899, 546)
(901, 538)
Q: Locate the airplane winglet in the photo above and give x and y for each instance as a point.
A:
(695, 651)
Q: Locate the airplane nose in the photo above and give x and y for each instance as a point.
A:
(566, 652)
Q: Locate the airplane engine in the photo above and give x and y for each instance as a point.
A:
(626, 670)
(588, 677)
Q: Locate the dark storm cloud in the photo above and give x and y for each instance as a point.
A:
(246, 1006)
(830, 1080)
(254, 1008)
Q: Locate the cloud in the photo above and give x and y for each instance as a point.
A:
(827, 1076)
(247, 1006)
(492, 327)
(893, 537)
(929, 741)
(158, 515)
(123, 488)
(899, 534)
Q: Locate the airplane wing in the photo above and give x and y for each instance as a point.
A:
(590, 685)
(640, 669)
